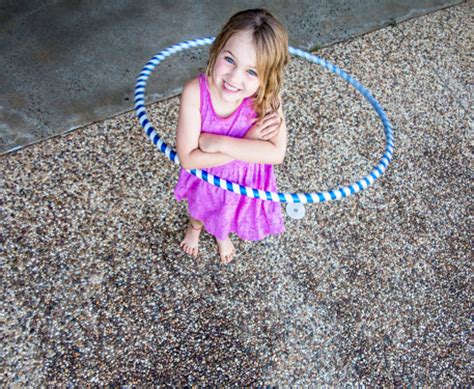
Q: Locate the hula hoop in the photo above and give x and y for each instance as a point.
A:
(315, 197)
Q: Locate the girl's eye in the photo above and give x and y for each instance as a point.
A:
(231, 61)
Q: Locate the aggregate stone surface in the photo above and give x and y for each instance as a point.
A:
(374, 289)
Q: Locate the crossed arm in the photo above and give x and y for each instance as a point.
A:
(247, 149)
(198, 150)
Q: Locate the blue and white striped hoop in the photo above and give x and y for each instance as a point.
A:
(315, 197)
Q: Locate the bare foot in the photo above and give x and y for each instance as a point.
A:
(226, 250)
(191, 239)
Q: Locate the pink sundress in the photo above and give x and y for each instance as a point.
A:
(222, 211)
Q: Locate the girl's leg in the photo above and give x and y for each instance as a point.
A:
(191, 237)
(226, 250)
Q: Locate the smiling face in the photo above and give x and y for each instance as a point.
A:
(234, 76)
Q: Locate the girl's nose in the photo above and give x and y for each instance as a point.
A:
(235, 78)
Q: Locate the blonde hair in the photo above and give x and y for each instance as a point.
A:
(271, 43)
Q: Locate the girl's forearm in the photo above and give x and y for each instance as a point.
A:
(198, 159)
(250, 150)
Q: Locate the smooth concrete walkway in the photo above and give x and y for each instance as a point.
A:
(66, 64)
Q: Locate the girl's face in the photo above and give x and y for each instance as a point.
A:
(235, 71)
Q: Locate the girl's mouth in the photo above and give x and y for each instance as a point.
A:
(230, 88)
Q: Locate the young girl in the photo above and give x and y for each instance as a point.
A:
(231, 124)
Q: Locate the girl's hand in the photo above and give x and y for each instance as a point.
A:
(265, 128)
(208, 143)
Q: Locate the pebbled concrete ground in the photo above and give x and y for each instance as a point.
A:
(375, 289)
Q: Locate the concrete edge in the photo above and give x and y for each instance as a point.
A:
(178, 92)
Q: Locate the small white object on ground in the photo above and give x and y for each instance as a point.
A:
(295, 210)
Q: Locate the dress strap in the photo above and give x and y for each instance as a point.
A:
(204, 92)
